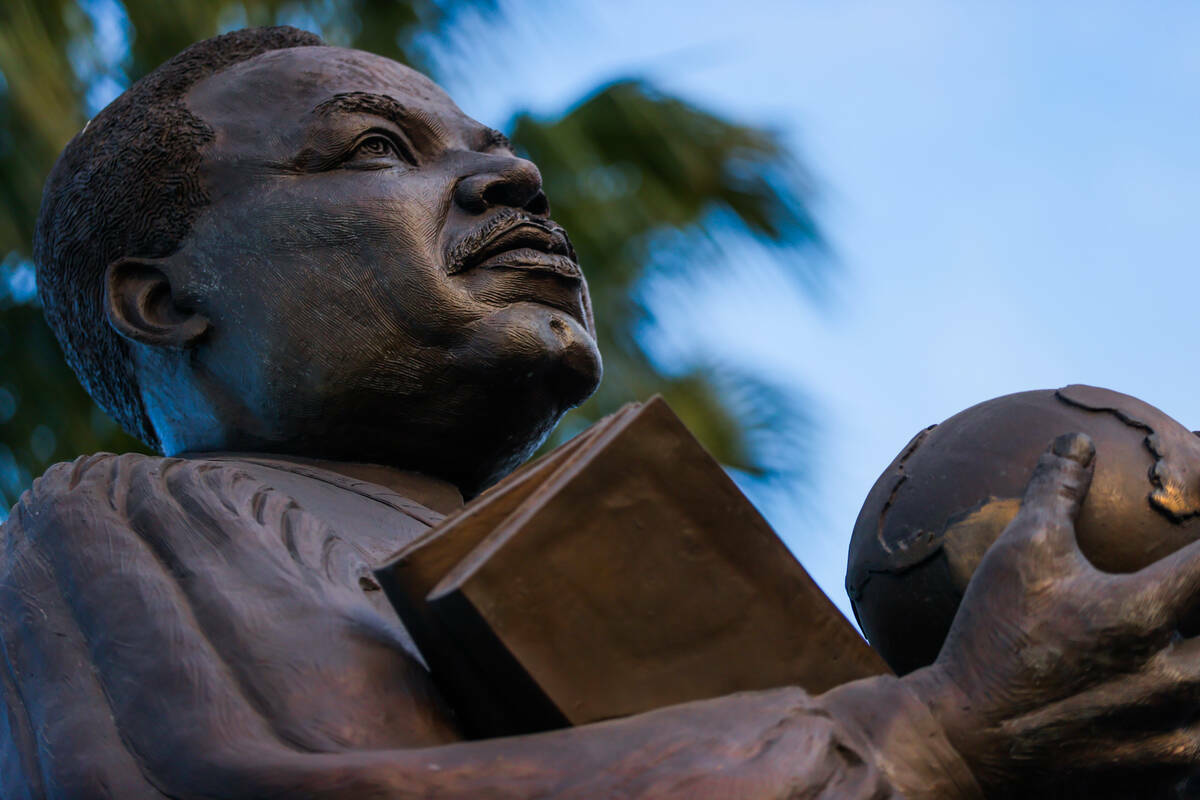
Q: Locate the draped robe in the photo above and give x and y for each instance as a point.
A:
(210, 627)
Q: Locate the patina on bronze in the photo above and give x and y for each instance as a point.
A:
(337, 305)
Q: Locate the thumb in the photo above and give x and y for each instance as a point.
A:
(1055, 493)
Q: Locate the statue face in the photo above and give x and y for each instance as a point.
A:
(380, 272)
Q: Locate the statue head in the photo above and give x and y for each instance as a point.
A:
(271, 245)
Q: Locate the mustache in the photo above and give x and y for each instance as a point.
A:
(460, 253)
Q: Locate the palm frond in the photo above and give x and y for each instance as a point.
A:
(648, 185)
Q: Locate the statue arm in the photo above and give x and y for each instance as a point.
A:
(115, 684)
(777, 744)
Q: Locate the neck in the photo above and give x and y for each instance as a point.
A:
(433, 493)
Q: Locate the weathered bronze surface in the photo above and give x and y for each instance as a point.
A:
(337, 305)
(934, 512)
(631, 555)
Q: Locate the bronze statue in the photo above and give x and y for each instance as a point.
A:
(334, 302)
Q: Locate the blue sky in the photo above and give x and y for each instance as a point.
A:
(1010, 189)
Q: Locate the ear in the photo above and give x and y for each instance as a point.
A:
(142, 306)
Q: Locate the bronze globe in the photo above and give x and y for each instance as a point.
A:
(936, 509)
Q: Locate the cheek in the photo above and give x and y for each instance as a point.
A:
(324, 269)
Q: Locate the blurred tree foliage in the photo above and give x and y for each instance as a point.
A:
(643, 181)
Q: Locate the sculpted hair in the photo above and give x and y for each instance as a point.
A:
(128, 185)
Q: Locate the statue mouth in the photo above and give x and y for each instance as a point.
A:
(515, 240)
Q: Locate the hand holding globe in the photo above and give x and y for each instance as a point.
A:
(938, 507)
(1056, 677)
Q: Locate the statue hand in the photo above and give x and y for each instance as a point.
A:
(1057, 679)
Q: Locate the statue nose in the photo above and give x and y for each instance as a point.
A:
(518, 185)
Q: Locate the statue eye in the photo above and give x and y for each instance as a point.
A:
(377, 147)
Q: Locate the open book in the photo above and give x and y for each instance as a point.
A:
(622, 572)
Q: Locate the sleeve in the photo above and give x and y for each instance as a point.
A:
(896, 731)
(126, 672)
(58, 737)
(110, 686)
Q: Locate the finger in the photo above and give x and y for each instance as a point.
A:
(1173, 749)
(1055, 493)
(1163, 695)
(1168, 590)
(1157, 757)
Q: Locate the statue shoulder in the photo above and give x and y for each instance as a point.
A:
(169, 504)
(131, 489)
(68, 485)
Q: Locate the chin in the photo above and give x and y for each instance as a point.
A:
(534, 364)
(472, 414)
(547, 349)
